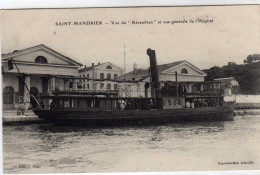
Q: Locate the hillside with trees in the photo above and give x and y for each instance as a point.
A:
(247, 74)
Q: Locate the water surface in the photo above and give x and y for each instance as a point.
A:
(44, 148)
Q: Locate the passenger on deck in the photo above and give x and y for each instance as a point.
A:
(187, 104)
(52, 105)
(42, 105)
(192, 104)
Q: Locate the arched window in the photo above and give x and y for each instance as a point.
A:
(109, 76)
(102, 76)
(88, 86)
(108, 67)
(41, 59)
(8, 96)
(101, 85)
(108, 86)
(115, 76)
(184, 71)
(115, 86)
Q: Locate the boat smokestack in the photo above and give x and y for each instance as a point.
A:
(155, 85)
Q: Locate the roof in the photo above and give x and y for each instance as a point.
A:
(97, 65)
(90, 67)
(18, 52)
(141, 73)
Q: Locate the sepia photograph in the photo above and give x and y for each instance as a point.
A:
(130, 89)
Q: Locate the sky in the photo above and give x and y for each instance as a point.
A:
(233, 33)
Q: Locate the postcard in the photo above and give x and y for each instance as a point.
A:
(131, 89)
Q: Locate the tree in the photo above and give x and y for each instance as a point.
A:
(252, 58)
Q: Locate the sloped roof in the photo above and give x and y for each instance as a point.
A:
(18, 52)
(141, 73)
(97, 65)
(90, 67)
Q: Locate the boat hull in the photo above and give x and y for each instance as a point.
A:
(125, 117)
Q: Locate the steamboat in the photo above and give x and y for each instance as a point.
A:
(96, 108)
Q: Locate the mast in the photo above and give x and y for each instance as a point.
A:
(176, 78)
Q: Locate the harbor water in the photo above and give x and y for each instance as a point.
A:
(45, 148)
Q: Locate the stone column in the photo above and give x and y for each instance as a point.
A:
(201, 87)
(27, 81)
(190, 87)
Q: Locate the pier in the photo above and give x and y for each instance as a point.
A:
(11, 117)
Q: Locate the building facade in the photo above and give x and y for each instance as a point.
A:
(42, 71)
(190, 80)
(100, 77)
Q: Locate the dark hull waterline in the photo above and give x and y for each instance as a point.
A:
(126, 117)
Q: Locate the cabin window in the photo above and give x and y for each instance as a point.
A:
(115, 86)
(108, 67)
(101, 85)
(71, 85)
(8, 96)
(109, 76)
(184, 71)
(170, 102)
(108, 86)
(102, 76)
(66, 103)
(115, 76)
(41, 59)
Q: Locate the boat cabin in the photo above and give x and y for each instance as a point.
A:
(85, 103)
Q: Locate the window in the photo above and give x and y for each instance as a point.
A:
(184, 71)
(108, 67)
(83, 75)
(41, 59)
(101, 85)
(8, 96)
(109, 76)
(87, 75)
(115, 86)
(115, 76)
(102, 76)
(88, 86)
(108, 86)
(71, 84)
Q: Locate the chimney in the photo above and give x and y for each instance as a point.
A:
(85, 66)
(135, 67)
(98, 63)
(93, 64)
(154, 74)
